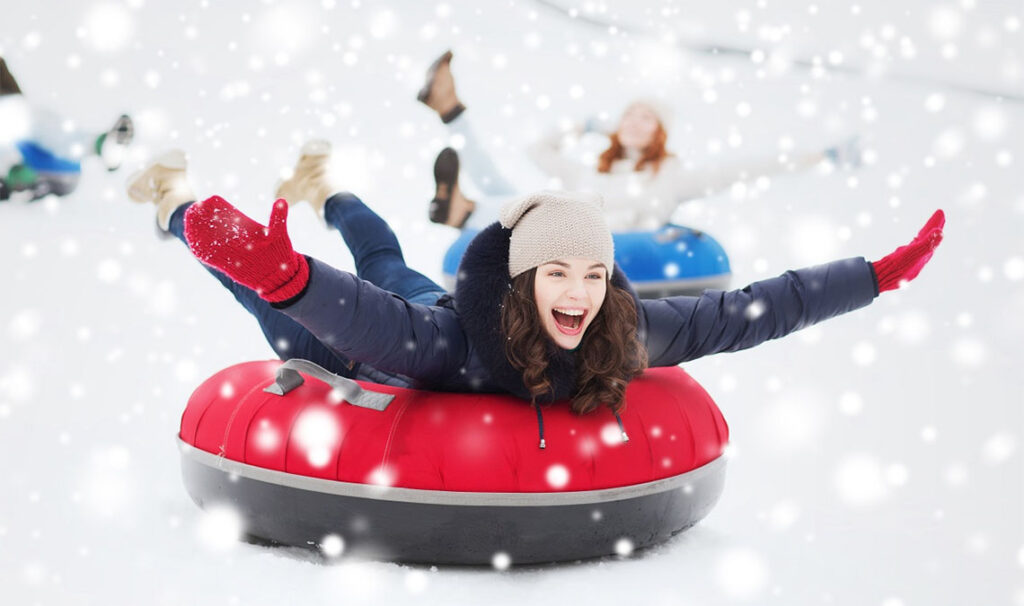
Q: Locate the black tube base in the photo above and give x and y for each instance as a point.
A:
(431, 533)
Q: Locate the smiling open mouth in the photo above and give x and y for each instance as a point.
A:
(569, 321)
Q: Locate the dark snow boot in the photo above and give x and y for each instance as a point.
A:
(438, 91)
(449, 206)
(8, 85)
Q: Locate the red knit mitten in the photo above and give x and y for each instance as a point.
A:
(906, 262)
(259, 257)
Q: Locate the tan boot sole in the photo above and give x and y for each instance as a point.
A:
(315, 148)
(139, 185)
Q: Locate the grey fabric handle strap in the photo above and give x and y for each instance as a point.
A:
(288, 378)
(671, 233)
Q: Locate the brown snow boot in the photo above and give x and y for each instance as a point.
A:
(449, 206)
(438, 92)
(8, 85)
(164, 183)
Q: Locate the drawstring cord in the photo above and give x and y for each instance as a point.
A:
(622, 429)
(540, 425)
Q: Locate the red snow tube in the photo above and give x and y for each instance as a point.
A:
(424, 476)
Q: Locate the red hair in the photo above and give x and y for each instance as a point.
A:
(652, 155)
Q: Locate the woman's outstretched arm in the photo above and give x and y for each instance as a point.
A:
(547, 154)
(691, 183)
(351, 316)
(678, 329)
(376, 327)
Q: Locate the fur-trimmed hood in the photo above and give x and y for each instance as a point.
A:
(481, 284)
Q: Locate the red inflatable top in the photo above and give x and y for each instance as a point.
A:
(453, 441)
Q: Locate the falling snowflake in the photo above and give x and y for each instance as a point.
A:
(990, 123)
(317, 432)
(17, 384)
(268, 438)
(945, 23)
(382, 476)
(969, 352)
(999, 448)
(220, 527)
(108, 271)
(611, 435)
(741, 573)
(332, 545)
(624, 547)
(501, 561)
(185, 371)
(1013, 269)
(108, 27)
(755, 310)
(860, 480)
(383, 24)
(25, 324)
(863, 354)
(557, 476)
(108, 484)
(784, 514)
(792, 421)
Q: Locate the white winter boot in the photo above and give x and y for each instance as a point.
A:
(310, 180)
(163, 183)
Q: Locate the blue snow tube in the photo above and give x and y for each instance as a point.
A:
(42, 160)
(672, 260)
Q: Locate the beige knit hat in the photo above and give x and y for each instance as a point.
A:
(550, 225)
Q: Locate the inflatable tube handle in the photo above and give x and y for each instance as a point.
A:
(672, 233)
(288, 378)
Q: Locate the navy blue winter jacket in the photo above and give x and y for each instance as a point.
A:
(456, 345)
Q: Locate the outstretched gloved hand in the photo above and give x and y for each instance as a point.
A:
(259, 257)
(906, 262)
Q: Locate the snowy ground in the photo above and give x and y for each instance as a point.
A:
(876, 459)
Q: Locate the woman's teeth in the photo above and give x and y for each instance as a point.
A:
(569, 318)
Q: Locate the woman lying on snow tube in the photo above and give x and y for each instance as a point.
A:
(450, 478)
(541, 311)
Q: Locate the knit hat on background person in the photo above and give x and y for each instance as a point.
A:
(550, 225)
(8, 85)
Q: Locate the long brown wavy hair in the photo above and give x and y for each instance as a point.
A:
(609, 355)
(652, 155)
